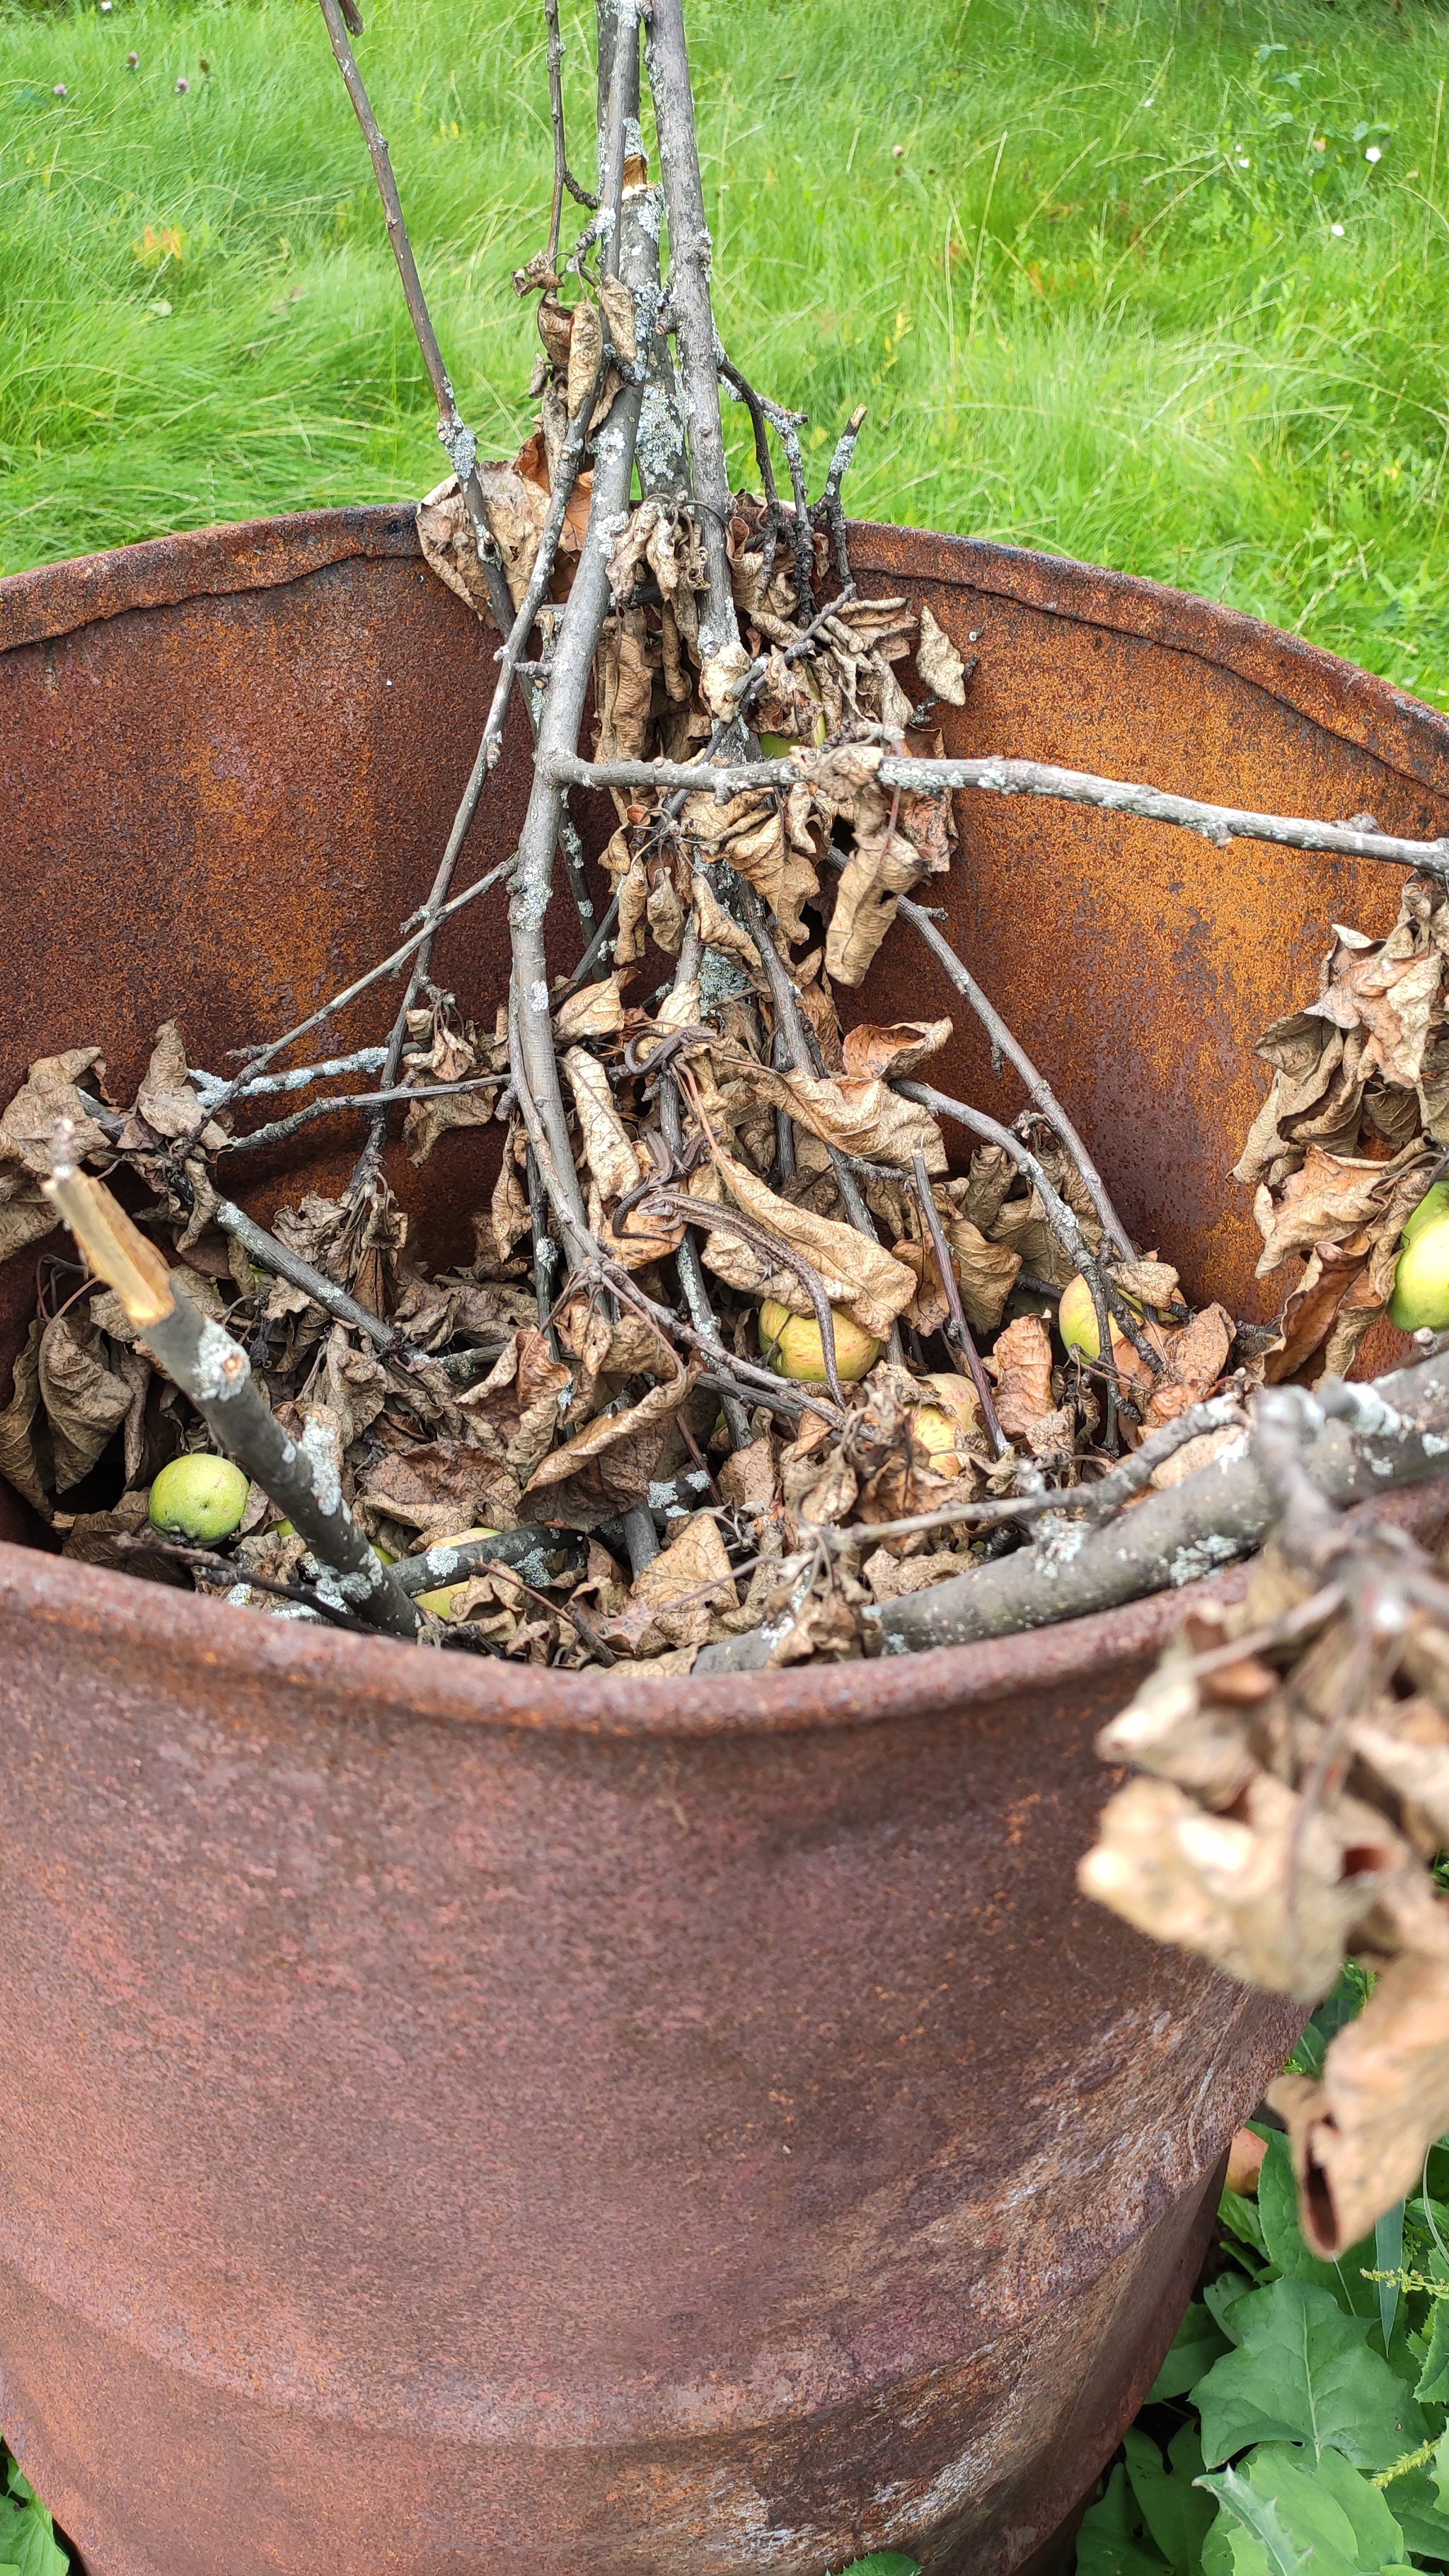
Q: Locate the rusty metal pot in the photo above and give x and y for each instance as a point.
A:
(456, 2117)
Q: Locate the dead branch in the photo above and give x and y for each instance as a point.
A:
(1005, 1043)
(1390, 1434)
(958, 1329)
(213, 1370)
(458, 440)
(993, 776)
(1106, 1299)
(667, 59)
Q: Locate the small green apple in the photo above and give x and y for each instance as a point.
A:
(200, 1498)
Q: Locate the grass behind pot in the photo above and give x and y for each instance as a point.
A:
(1102, 289)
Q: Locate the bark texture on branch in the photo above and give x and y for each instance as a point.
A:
(689, 266)
(1395, 1432)
(996, 777)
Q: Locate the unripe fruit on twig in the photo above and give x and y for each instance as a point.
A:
(1077, 1321)
(1433, 1205)
(944, 1429)
(201, 1499)
(792, 1347)
(1421, 1281)
(441, 1602)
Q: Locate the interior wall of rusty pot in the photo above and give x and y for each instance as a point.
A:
(452, 2113)
(221, 801)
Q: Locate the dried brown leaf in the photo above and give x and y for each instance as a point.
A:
(618, 304)
(673, 1601)
(514, 1413)
(1220, 1885)
(940, 665)
(586, 350)
(609, 1466)
(1359, 2137)
(888, 1052)
(594, 1011)
(1021, 1364)
(862, 1277)
(439, 1489)
(25, 1458)
(85, 1400)
(27, 1128)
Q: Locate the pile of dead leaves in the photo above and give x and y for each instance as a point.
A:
(1293, 1799)
(1352, 1131)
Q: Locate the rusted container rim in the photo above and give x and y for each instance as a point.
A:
(259, 554)
(353, 1672)
(128, 1618)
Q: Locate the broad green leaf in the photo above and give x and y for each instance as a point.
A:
(1426, 2530)
(27, 2534)
(1283, 2238)
(1222, 2297)
(1322, 2508)
(1367, 2510)
(1301, 2374)
(1440, 2472)
(1177, 2516)
(1231, 2550)
(1278, 2551)
(1196, 2345)
(1344, 2004)
(1108, 2542)
(883, 2562)
(1433, 2386)
(1240, 2217)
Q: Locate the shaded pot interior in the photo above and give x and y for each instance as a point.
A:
(630, 2125)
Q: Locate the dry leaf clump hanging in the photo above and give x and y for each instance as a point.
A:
(1292, 1796)
(1355, 1124)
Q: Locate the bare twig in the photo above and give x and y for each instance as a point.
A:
(828, 506)
(1004, 1042)
(992, 776)
(959, 1328)
(205, 1560)
(280, 1128)
(213, 1370)
(786, 426)
(689, 264)
(259, 1057)
(565, 476)
(457, 438)
(1105, 1297)
(269, 1254)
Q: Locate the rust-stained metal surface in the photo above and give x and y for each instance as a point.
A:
(455, 2116)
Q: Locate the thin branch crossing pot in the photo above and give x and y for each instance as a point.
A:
(459, 2114)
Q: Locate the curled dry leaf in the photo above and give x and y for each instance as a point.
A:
(1220, 1885)
(609, 1149)
(433, 1492)
(862, 1277)
(1359, 2137)
(889, 1052)
(609, 1466)
(1022, 1367)
(594, 1011)
(27, 1132)
(673, 1601)
(940, 665)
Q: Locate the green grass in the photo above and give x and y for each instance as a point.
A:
(1024, 235)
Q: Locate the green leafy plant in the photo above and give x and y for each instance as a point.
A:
(28, 2545)
(1299, 2426)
